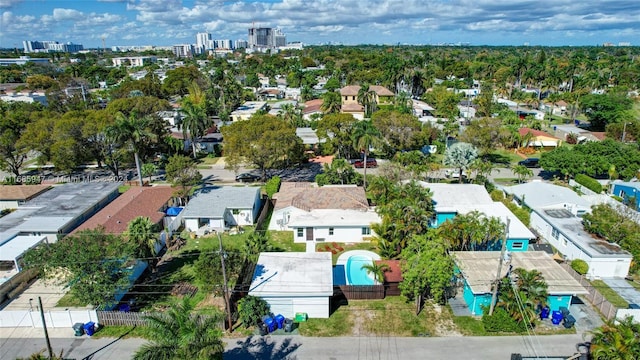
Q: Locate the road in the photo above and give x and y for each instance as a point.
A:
(309, 348)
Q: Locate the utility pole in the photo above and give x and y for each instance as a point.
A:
(225, 285)
(494, 296)
(624, 131)
(44, 325)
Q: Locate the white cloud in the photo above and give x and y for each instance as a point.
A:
(67, 14)
(5, 4)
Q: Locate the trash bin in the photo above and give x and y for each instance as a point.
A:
(565, 312)
(262, 329)
(544, 312)
(271, 324)
(301, 317)
(78, 329)
(279, 321)
(288, 325)
(569, 321)
(556, 317)
(90, 328)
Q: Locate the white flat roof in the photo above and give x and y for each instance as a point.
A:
(541, 194)
(15, 247)
(450, 197)
(43, 224)
(335, 218)
(479, 269)
(293, 274)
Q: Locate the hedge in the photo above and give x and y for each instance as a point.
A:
(589, 182)
(580, 266)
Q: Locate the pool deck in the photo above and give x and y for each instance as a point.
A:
(342, 259)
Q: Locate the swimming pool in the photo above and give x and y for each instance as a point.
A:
(356, 275)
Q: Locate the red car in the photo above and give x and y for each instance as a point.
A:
(371, 163)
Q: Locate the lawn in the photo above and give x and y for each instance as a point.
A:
(503, 157)
(610, 294)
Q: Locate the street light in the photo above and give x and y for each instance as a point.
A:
(624, 131)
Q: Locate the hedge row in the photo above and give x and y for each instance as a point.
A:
(589, 182)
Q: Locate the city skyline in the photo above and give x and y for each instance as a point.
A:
(349, 22)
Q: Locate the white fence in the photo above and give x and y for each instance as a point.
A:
(53, 318)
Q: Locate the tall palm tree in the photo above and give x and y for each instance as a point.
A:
(143, 235)
(403, 102)
(331, 102)
(522, 172)
(132, 132)
(365, 136)
(179, 334)
(196, 122)
(367, 98)
(377, 270)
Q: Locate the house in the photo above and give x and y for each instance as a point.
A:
(222, 207)
(12, 248)
(478, 270)
(309, 137)
(628, 191)
(12, 196)
(339, 213)
(248, 109)
(537, 138)
(350, 105)
(453, 199)
(294, 282)
(58, 211)
(148, 202)
(312, 107)
(557, 218)
(559, 108)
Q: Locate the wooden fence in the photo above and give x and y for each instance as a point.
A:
(362, 292)
(264, 213)
(112, 318)
(594, 297)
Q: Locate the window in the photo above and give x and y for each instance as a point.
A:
(517, 245)
(366, 230)
(235, 211)
(300, 232)
(330, 231)
(353, 98)
(555, 233)
(564, 241)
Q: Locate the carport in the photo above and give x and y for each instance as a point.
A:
(13, 249)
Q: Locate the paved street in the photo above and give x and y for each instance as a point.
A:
(624, 289)
(22, 342)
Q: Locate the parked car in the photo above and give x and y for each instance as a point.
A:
(371, 163)
(247, 177)
(530, 162)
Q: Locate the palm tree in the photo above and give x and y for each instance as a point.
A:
(403, 102)
(364, 136)
(331, 102)
(149, 169)
(377, 270)
(131, 131)
(291, 114)
(367, 98)
(522, 172)
(532, 284)
(143, 235)
(179, 334)
(616, 341)
(461, 156)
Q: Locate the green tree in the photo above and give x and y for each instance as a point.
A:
(367, 98)
(336, 130)
(403, 103)
(377, 270)
(444, 101)
(365, 136)
(522, 172)
(331, 102)
(606, 109)
(263, 141)
(338, 172)
(617, 340)
(461, 156)
(251, 309)
(181, 78)
(143, 235)
(472, 231)
(180, 334)
(13, 120)
(148, 170)
(195, 122)
(208, 269)
(182, 171)
(400, 131)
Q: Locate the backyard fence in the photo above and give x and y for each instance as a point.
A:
(594, 297)
(114, 318)
(362, 292)
(264, 213)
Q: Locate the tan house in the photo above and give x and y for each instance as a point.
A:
(539, 138)
(349, 96)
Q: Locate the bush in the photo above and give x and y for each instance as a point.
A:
(272, 186)
(497, 195)
(589, 182)
(501, 321)
(580, 266)
(251, 309)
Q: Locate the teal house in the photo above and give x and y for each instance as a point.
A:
(453, 199)
(478, 271)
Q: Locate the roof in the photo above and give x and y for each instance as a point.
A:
(334, 218)
(449, 197)
(307, 196)
(21, 192)
(312, 106)
(213, 202)
(308, 136)
(137, 201)
(524, 131)
(394, 272)
(536, 194)
(293, 274)
(15, 247)
(352, 90)
(352, 107)
(479, 270)
(517, 230)
(572, 228)
(631, 184)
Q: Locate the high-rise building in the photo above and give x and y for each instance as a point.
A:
(183, 50)
(240, 44)
(222, 44)
(279, 38)
(50, 46)
(203, 42)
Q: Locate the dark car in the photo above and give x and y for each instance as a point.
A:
(371, 163)
(247, 177)
(530, 162)
(634, 306)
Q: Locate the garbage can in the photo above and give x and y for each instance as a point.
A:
(279, 321)
(78, 329)
(569, 321)
(301, 317)
(271, 324)
(90, 328)
(262, 329)
(544, 312)
(556, 317)
(564, 311)
(288, 325)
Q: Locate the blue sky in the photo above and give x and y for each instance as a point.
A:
(349, 22)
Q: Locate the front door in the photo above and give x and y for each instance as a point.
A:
(309, 234)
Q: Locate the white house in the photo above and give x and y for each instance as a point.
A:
(222, 207)
(339, 213)
(294, 282)
(557, 217)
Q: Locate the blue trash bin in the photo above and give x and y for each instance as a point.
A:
(90, 328)
(556, 317)
(270, 323)
(280, 321)
(544, 312)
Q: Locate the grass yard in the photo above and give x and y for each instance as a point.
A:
(610, 294)
(393, 316)
(506, 181)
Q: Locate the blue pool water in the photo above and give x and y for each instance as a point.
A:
(356, 275)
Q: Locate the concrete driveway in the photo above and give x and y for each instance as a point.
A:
(624, 289)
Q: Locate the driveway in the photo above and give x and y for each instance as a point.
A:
(624, 289)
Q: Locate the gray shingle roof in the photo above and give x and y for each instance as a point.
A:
(212, 202)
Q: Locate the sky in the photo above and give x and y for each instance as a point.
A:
(348, 22)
